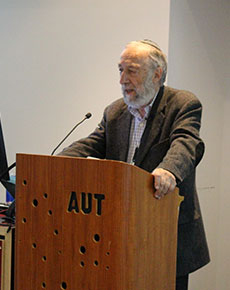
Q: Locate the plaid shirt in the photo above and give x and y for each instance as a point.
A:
(137, 129)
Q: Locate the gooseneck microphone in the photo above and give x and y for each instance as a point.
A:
(87, 116)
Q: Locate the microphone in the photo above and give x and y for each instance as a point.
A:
(87, 116)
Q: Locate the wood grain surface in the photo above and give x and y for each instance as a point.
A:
(86, 224)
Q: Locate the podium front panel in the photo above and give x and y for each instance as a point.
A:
(92, 225)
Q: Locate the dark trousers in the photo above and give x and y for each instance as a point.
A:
(182, 283)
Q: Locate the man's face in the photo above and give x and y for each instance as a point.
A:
(135, 78)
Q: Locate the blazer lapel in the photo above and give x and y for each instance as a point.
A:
(153, 127)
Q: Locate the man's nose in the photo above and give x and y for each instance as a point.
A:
(124, 78)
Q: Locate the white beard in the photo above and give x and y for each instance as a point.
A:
(143, 96)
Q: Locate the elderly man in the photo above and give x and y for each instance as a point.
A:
(156, 128)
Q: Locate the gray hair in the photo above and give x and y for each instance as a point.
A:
(156, 57)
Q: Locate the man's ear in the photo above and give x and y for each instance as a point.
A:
(157, 75)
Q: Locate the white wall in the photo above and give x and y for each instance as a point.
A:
(199, 48)
(59, 61)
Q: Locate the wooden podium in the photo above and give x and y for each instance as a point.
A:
(85, 224)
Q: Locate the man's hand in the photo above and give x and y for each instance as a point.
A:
(164, 182)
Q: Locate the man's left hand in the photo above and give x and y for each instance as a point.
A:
(164, 182)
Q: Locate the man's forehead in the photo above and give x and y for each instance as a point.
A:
(131, 62)
(134, 56)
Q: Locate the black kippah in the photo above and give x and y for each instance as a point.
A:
(151, 43)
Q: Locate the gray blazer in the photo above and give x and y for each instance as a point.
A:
(170, 141)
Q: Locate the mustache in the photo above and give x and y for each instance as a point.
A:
(128, 88)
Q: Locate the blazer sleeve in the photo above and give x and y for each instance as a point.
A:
(93, 145)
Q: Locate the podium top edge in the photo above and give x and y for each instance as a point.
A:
(125, 164)
(84, 158)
